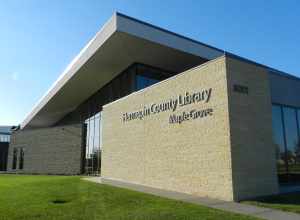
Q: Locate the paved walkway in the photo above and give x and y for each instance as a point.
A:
(263, 213)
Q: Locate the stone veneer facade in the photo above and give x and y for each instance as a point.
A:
(54, 150)
(228, 155)
(252, 149)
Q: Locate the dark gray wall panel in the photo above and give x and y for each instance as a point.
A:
(3, 155)
(285, 90)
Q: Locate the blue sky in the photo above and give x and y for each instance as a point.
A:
(39, 38)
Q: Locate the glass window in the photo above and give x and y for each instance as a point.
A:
(21, 162)
(291, 132)
(15, 157)
(298, 112)
(97, 131)
(298, 145)
(100, 131)
(278, 137)
(148, 75)
(4, 138)
(143, 82)
(93, 148)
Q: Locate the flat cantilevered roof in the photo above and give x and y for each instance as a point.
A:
(120, 42)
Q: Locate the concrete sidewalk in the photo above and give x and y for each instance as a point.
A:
(263, 213)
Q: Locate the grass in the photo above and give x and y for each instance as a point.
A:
(289, 202)
(61, 197)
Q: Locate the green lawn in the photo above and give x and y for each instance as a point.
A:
(60, 197)
(289, 202)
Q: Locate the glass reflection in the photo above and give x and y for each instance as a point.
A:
(143, 82)
(286, 135)
(292, 140)
(298, 145)
(93, 148)
(278, 138)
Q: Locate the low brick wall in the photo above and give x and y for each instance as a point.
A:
(54, 150)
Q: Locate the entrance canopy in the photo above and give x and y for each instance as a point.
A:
(121, 42)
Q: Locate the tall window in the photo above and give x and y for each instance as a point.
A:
(93, 148)
(21, 159)
(15, 158)
(298, 117)
(292, 139)
(286, 134)
(278, 138)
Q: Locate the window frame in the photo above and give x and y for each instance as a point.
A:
(297, 114)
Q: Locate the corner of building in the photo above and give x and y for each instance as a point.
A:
(192, 156)
(254, 171)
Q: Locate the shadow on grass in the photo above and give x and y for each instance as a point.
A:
(59, 201)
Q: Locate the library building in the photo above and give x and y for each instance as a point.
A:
(143, 106)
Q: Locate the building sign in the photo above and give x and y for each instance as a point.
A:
(190, 115)
(203, 96)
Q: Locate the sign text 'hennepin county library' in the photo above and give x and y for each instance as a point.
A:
(172, 104)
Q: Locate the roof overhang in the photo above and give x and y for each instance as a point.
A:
(121, 42)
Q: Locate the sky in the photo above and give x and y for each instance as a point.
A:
(39, 38)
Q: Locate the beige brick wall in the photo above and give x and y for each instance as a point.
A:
(192, 157)
(229, 155)
(55, 150)
(253, 151)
